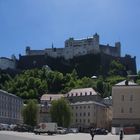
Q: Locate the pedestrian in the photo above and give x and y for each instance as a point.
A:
(92, 133)
(121, 135)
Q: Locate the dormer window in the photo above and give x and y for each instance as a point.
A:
(76, 94)
(85, 93)
(90, 93)
(81, 94)
(71, 94)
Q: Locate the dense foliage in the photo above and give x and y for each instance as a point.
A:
(61, 112)
(32, 84)
(30, 113)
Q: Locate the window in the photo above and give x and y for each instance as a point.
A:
(88, 120)
(122, 97)
(84, 120)
(131, 97)
(76, 94)
(88, 113)
(81, 93)
(76, 107)
(130, 110)
(122, 111)
(76, 120)
(90, 93)
(85, 93)
(88, 106)
(84, 114)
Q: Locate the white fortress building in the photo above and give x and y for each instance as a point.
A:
(78, 47)
(6, 63)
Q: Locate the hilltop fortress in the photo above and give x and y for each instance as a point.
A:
(74, 48)
(87, 56)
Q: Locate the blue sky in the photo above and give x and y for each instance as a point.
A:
(38, 23)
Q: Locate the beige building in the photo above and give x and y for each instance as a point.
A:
(89, 109)
(89, 114)
(45, 104)
(126, 103)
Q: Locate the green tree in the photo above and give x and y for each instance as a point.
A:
(116, 68)
(61, 112)
(30, 113)
(103, 88)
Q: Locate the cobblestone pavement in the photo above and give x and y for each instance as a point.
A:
(9, 135)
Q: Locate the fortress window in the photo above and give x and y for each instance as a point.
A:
(130, 110)
(122, 97)
(122, 111)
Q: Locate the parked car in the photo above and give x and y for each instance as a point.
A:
(101, 131)
(61, 130)
(49, 128)
(23, 128)
(73, 130)
(12, 126)
(4, 126)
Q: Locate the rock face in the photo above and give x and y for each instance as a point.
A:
(86, 65)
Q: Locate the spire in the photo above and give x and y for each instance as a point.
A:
(52, 46)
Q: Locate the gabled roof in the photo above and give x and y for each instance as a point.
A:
(123, 83)
(82, 92)
(88, 102)
(48, 97)
(9, 94)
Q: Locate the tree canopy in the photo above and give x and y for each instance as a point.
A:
(61, 112)
(32, 84)
(30, 113)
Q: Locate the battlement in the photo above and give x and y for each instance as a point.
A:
(78, 47)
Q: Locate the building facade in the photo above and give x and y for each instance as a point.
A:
(78, 47)
(10, 108)
(7, 63)
(88, 114)
(88, 109)
(126, 97)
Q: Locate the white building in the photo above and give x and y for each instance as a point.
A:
(78, 47)
(10, 108)
(6, 63)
